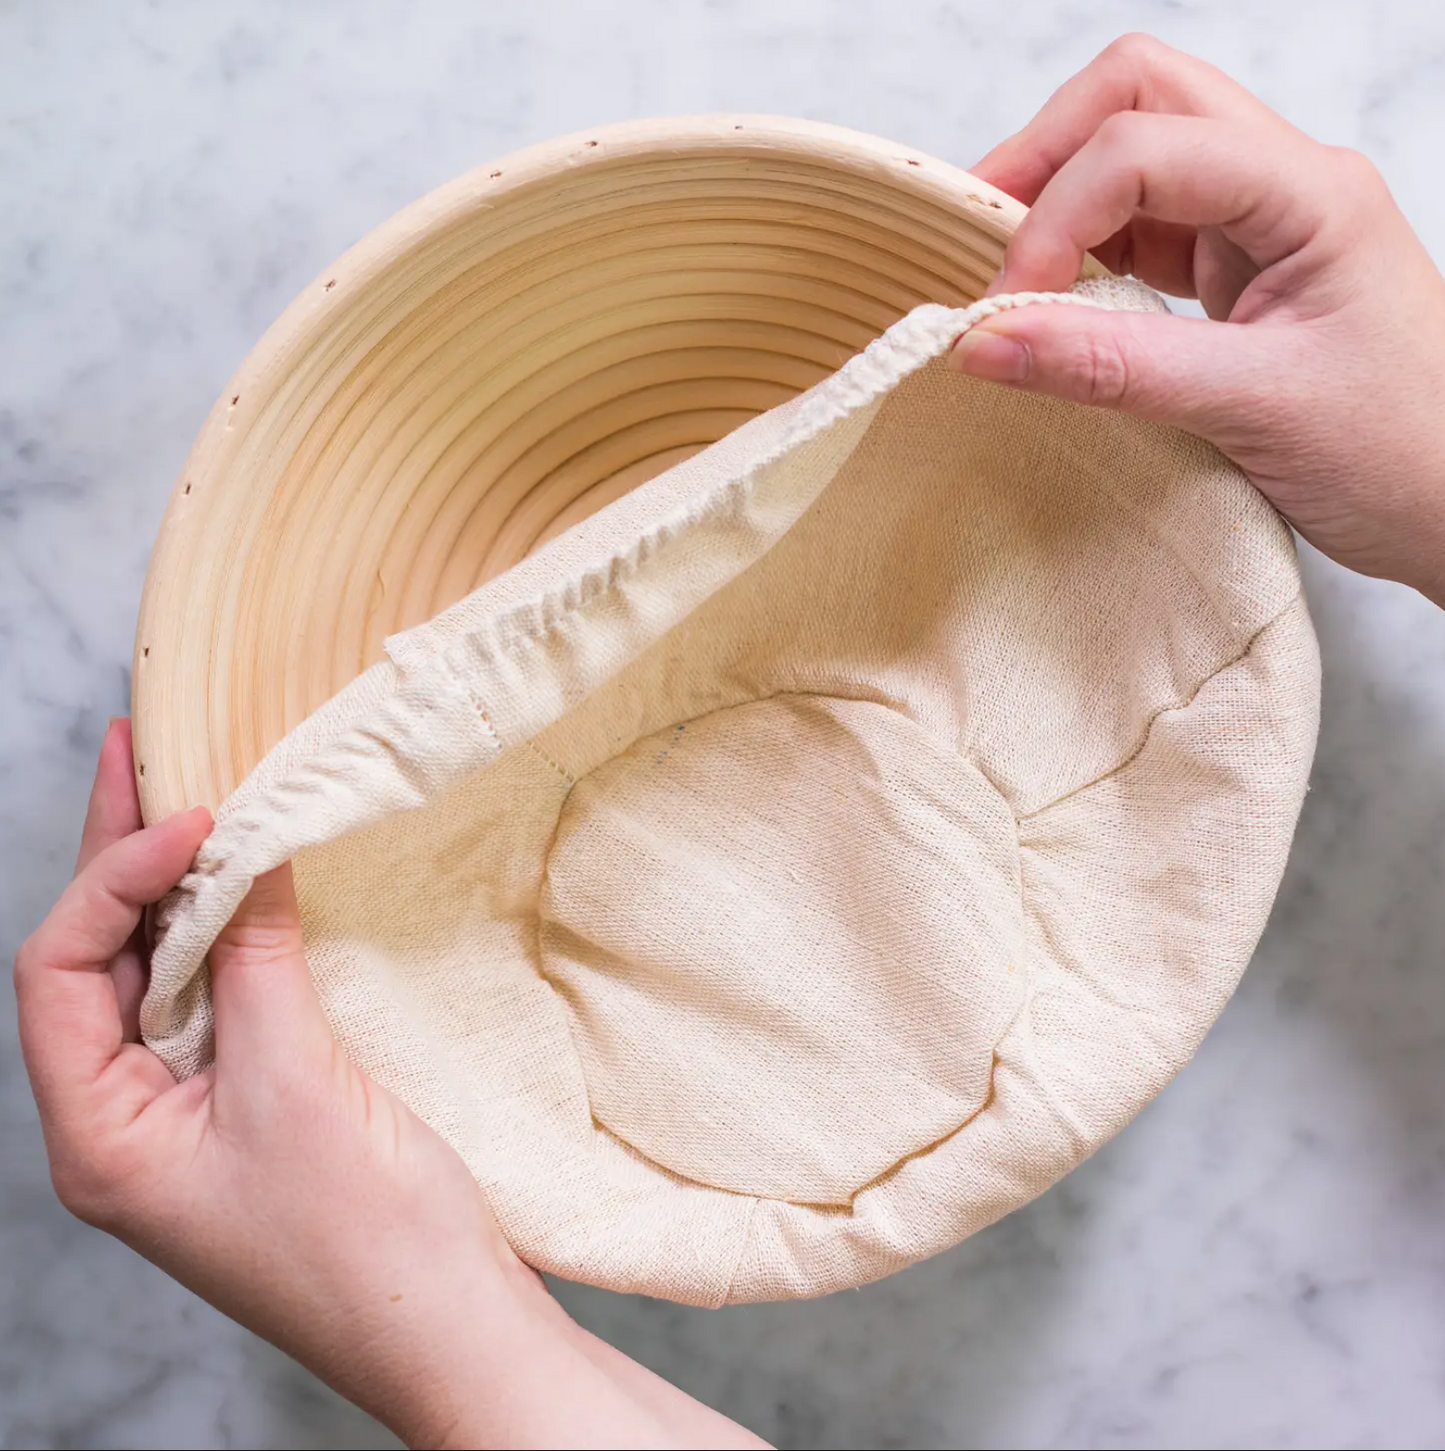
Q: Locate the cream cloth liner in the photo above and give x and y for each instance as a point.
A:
(1052, 1061)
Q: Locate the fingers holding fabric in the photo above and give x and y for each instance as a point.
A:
(114, 812)
(71, 1025)
(1196, 375)
(266, 1007)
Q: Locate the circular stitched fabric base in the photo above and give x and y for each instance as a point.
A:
(673, 891)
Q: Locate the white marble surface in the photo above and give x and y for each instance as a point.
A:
(1260, 1260)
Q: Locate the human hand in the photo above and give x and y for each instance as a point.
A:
(287, 1188)
(1322, 371)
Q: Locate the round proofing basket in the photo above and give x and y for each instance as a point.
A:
(492, 365)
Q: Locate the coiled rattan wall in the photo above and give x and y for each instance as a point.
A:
(495, 363)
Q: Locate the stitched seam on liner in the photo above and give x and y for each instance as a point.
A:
(842, 1210)
(539, 960)
(744, 1241)
(1163, 711)
(1207, 588)
(460, 682)
(1065, 1114)
(542, 756)
(846, 1207)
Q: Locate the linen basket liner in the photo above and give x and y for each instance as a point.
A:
(813, 855)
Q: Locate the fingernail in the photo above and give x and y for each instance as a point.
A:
(999, 284)
(983, 354)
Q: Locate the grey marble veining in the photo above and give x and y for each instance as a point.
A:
(1259, 1260)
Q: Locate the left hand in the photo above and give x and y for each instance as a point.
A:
(289, 1189)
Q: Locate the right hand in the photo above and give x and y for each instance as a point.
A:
(1322, 370)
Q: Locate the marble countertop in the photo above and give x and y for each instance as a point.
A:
(1259, 1261)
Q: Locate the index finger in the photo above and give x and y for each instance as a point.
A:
(1135, 73)
(1268, 200)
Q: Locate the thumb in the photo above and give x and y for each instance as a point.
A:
(1201, 376)
(265, 1003)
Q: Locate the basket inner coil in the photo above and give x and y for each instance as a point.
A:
(494, 365)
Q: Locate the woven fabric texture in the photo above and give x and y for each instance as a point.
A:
(812, 856)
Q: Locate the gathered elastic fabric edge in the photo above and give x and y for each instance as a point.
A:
(244, 843)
